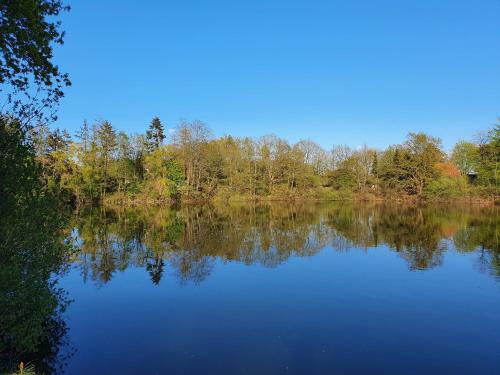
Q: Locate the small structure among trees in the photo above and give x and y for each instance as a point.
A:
(472, 176)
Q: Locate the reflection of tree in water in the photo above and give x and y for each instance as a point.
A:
(189, 240)
(482, 235)
(32, 257)
(112, 241)
(190, 266)
(155, 269)
(418, 234)
(414, 233)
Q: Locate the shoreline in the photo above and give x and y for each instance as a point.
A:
(356, 199)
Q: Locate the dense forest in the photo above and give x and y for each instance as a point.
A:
(101, 163)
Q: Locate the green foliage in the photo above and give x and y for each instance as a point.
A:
(374, 170)
(155, 134)
(18, 167)
(446, 187)
(31, 253)
(164, 177)
(489, 159)
(175, 176)
(36, 171)
(195, 167)
(28, 31)
(465, 155)
(335, 195)
(343, 177)
(411, 166)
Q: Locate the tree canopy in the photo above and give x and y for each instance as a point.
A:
(29, 78)
(102, 162)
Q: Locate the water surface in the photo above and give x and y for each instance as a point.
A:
(271, 289)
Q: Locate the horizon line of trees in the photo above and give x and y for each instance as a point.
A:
(102, 163)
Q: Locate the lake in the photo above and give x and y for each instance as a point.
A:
(306, 288)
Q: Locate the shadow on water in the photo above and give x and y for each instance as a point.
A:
(188, 241)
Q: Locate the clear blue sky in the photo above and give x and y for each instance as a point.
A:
(337, 72)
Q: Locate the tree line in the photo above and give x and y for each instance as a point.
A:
(100, 163)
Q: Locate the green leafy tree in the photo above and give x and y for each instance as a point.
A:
(374, 169)
(107, 143)
(489, 158)
(412, 165)
(32, 252)
(164, 176)
(465, 156)
(424, 152)
(28, 76)
(83, 134)
(123, 169)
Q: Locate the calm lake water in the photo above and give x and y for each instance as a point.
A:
(272, 289)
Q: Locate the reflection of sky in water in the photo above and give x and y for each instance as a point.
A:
(290, 291)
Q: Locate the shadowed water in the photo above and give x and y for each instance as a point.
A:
(284, 288)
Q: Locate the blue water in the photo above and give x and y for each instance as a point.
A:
(358, 311)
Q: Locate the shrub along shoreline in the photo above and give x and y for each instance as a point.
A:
(472, 198)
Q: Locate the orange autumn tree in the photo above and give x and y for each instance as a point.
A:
(447, 169)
